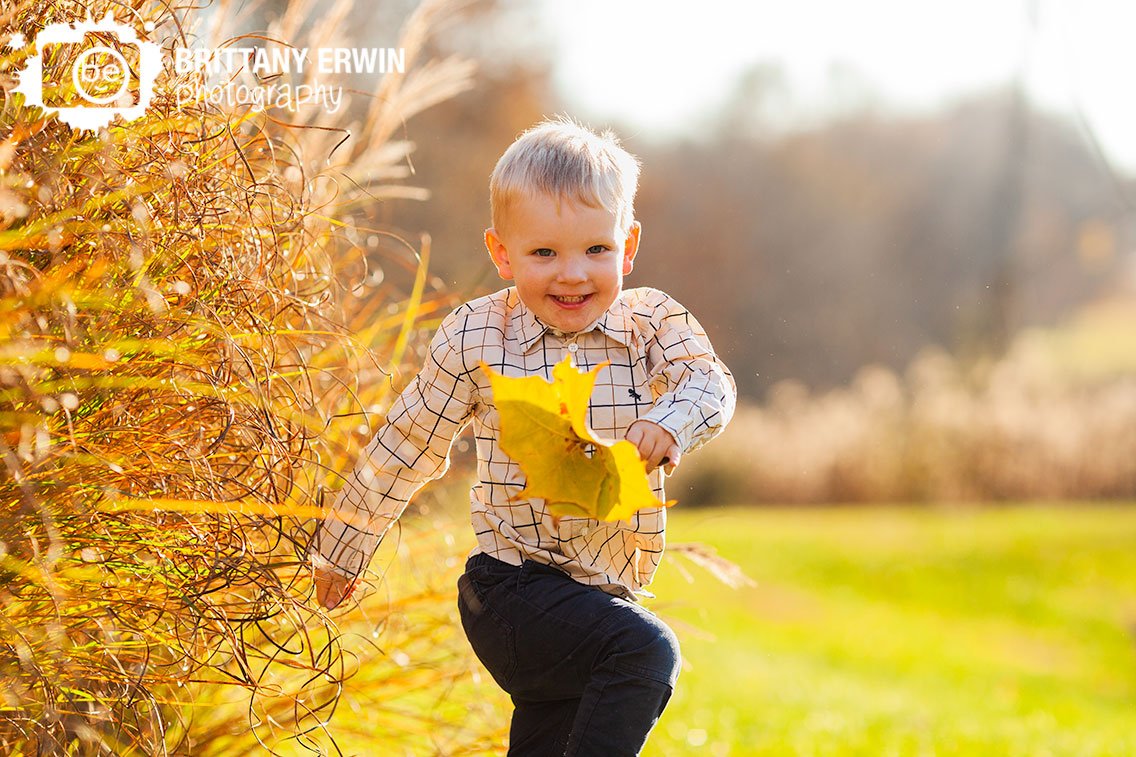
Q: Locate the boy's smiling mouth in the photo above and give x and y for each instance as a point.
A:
(570, 300)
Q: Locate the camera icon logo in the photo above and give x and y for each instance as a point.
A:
(106, 71)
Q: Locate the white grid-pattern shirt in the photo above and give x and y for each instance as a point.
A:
(662, 368)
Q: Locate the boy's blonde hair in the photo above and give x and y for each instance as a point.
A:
(567, 160)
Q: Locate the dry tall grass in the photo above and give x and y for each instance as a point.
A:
(1048, 421)
(190, 323)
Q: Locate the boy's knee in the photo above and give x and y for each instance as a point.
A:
(667, 654)
(650, 648)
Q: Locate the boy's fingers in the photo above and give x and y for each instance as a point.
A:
(324, 591)
(335, 595)
(658, 455)
(650, 454)
(655, 444)
(332, 588)
(635, 434)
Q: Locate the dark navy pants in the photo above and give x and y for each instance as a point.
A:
(589, 673)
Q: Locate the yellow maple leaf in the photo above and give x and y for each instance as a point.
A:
(544, 428)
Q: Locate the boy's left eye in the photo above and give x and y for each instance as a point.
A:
(598, 248)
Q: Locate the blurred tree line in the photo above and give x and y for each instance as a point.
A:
(809, 253)
(867, 239)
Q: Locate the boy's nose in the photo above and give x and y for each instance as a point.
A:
(571, 271)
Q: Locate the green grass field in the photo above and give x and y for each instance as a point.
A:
(891, 631)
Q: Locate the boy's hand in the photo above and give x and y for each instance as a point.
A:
(655, 445)
(331, 587)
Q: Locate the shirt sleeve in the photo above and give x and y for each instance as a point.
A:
(410, 450)
(695, 393)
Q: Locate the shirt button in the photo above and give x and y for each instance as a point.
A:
(573, 347)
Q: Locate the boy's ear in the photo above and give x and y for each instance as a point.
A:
(498, 253)
(631, 246)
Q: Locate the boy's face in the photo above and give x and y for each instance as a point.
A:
(567, 259)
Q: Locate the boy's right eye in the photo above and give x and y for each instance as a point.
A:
(543, 252)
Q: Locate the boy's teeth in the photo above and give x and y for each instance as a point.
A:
(576, 298)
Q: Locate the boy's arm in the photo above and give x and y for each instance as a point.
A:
(695, 392)
(411, 449)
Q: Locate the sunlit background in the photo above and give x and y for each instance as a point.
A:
(665, 69)
(908, 227)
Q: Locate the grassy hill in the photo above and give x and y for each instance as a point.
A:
(898, 631)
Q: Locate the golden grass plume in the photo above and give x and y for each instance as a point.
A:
(190, 314)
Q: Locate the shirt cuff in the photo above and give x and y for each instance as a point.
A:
(341, 549)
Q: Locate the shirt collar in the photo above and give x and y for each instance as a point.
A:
(615, 322)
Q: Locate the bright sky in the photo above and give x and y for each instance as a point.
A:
(665, 64)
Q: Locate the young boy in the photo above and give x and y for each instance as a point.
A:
(549, 604)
